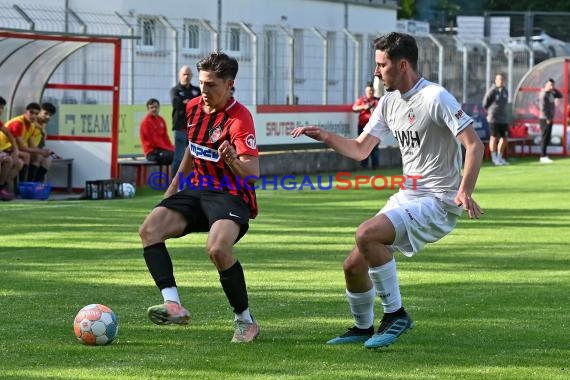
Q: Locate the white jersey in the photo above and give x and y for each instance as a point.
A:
(425, 121)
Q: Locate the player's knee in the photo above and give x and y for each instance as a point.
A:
(351, 268)
(355, 268)
(364, 234)
(149, 232)
(218, 255)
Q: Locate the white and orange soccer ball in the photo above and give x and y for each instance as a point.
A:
(95, 325)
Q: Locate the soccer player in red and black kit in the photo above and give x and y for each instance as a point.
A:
(221, 153)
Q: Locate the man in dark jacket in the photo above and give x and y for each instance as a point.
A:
(180, 95)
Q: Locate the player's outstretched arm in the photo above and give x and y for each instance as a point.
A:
(357, 149)
(474, 150)
(185, 168)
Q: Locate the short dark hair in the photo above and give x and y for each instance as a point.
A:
(219, 63)
(2, 101)
(152, 101)
(49, 107)
(33, 106)
(398, 46)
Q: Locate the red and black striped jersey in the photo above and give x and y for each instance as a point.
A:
(206, 132)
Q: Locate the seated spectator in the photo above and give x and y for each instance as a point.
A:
(46, 113)
(156, 143)
(36, 160)
(10, 162)
(38, 139)
(6, 165)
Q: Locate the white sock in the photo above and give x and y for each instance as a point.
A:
(362, 307)
(494, 156)
(499, 155)
(244, 316)
(170, 294)
(385, 280)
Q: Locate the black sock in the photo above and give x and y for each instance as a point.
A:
(23, 175)
(159, 265)
(40, 174)
(32, 171)
(233, 283)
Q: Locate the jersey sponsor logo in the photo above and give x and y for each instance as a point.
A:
(250, 141)
(408, 138)
(216, 133)
(204, 152)
(459, 114)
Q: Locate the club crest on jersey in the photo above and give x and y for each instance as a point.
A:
(250, 141)
(204, 152)
(216, 133)
(411, 116)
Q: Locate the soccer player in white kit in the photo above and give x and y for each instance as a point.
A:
(429, 126)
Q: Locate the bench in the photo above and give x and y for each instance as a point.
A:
(141, 166)
(68, 162)
(524, 142)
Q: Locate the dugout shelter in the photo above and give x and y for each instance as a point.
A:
(526, 108)
(28, 61)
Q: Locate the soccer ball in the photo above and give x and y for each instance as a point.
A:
(95, 325)
(128, 190)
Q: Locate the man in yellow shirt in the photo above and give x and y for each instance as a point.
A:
(23, 128)
(10, 163)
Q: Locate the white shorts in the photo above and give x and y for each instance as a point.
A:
(417, 221)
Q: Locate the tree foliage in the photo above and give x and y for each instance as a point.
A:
(407, 9)
(528, 5)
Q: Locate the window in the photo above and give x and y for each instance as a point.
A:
(147, 27)
(299, 55)
(152, 35)
(333, 75)
(234, 36)
(191, 38)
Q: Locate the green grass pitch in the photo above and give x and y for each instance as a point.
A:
(490, 301)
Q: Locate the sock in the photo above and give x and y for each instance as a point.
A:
(23, 175)
(494, 156)
(40, 174)
(159, 265)
(362, 307)
(170, 294)
(244, 316)
(233, 283)
(32, 170)
(385, 279)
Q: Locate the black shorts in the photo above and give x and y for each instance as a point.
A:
(161, 156)
(499, 129)
(201, 208)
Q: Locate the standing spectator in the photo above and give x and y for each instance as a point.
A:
(495, 103)
(180, 95)
(155, 141)
(365, 105)
(222, 152)
(547, 104)
(430, 126)
(36, 160)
